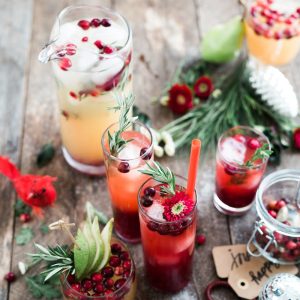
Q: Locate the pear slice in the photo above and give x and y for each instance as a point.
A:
(81, 255)
(106, 237)
(99, 245)
(87, 232)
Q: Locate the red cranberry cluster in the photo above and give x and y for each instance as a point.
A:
(94, 23)
(104, 283)
(265, 19)
(286, 248)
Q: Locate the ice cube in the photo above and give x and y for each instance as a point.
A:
(155, 211)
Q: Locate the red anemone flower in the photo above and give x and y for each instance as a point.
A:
(203, 87)
(180, 98)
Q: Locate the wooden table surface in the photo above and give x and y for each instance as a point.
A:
(164, 32)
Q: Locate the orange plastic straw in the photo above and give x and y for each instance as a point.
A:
(193, 168)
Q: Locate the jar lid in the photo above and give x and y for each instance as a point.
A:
(283, 286)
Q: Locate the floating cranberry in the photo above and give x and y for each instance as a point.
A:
(107, 272)
(108, 50)
(146, 202)
(98, 44)
(288, 33)
(290, 245)
(115, 248)
(10, 277)
(127, 265)
(108, 292)
(277, 35)
(95, 22)
(73, 95)
(230, 170)
(71, 278)
(87, 284)
(105, 23)
(278, 237)
(96, 277)
(272, 213)
(124, 255)
(152, 226)
(25, 218)
(149, 191)
(65, 63)
(99, 288)
(119, 271)
(84, 24)
(85, 39)
(200, 239)
(76, 287)
(253, 144)
(114, 261)
(119, 283)
(298, 10)
(270, 22)
(124, 167)
(109, 283)
(280, 204)
(126, 274)
(143, 151)
(71, 49)
(240, 138)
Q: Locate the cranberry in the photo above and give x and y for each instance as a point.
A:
(280, 204)
(105, 23)
(119, 283)
(65, 63)
(278, 237)
(73, 95)
(95, 22)
(114, 261)
(99, 288)
(253, 144)
(85, 39)
(108, 50)
(298, 10)
(149, 191)
(76, 287)
(108, 292)
(143, 151)
(115, 248)
(200, 239)
(272, 213)
(296, 252)
(71, 278)
(126, 274)
(107, 272)
(71, 49)
(288, 33)
(124, 167)
(152, 226)
(119, 271)
(10, 277)
(272, 205)
(290, 245)
(124, 255)
(277, 35)
(127, 265)
(96, 277)
(270, 21)
(84, 24)
(109, 283)
(240, 138)
(230, 170)
(146, 202)
(25, 218)
(98, 44)
(87, 284)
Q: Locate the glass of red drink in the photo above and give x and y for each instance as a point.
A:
(124, 177)
(168, 239)
(237, 182)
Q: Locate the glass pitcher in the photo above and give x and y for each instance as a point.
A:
(90, 51)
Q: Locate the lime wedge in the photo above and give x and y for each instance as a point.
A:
(87, 232)
(81, 255)
(99, 245)
(106, 237)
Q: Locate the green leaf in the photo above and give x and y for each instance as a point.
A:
(222, 43)
(45, 155)
(21, 208)
(44, 229)
(24, 237)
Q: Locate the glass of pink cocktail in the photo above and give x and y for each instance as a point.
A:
(168, 228)
(242, 157)
(124, 177)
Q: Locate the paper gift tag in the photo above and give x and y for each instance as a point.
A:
(246, 274)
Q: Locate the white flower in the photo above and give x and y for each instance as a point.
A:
(170, 149)
(22, 267)
(216, 93)
(169, 143)
(166, 137)
(164, 100)
(158, 151)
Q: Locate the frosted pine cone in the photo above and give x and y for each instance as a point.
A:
(274, 88)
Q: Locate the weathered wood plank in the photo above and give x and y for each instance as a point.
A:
(15, 43)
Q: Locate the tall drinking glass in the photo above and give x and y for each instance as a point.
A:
(90, 49)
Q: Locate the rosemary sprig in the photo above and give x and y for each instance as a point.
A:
(260, 153)
(59, 259)
(115, 140)
(162, 175)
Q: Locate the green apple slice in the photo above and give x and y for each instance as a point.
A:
(106, 237)
(81, 255)
(87, 232)
(99, 245)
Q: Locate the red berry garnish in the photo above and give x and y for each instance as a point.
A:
(115, 248)
(203, 87)
(146, 202)
(76, 287)
(71, 49)
(142, 153)
(114, 261)
(126, 274)
(87, 284)
(272, 213)
(96, 277)
(105, 23)
(95, 22)
(124, 167)
(99, 288)
(119, 283)
(253, 144)
(108, 50)
(149, 191)
(280, 204)
(230, 170)
(108, 292)
(10, 277)
(290, 245)
(65, 63)
(277, 35)
(119, 271)
(71, 278)
(98, 44)
(85, 39)
(109, 283)
(73, 95)
(296, 139)
(84, 24)
(272, 205)
(240, 138)
(25, 218)
(127, 265)
(200, 239)
(124, 255)
(107, 272)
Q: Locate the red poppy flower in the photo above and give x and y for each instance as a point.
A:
(180, 98)
(297, 138)
(203, 87)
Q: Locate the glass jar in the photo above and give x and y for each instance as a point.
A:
(276, 236)
(90, 49)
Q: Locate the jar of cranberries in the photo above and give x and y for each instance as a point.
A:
(276, 235)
